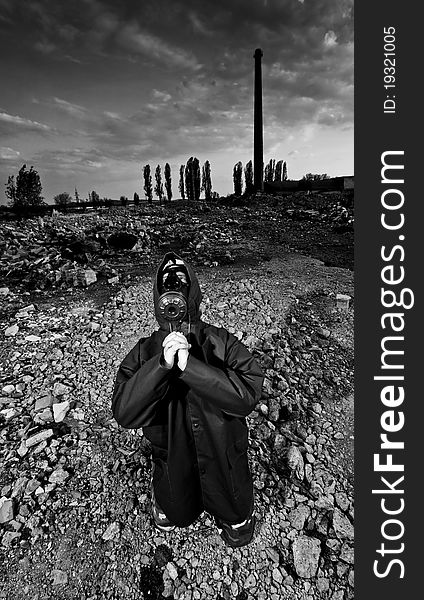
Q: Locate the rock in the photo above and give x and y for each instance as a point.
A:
(323, 584)
(277, 575)
(19, 487)
(111, 532)
(308, 473)
(60, 410)
(113, 280)
(59, 476)
(295, 462)
(234, 588)
(6, 510)
(279, 443)
(342, 301)
(333, 544)
(38, 437)
(32, 338)
(22, 450)
(172, 570)
(324, 503)
(298, 516)
(250, 581)
(11, 331)
(306, 553)
(273, 555)
(31, 486)
(45, 416)
(8, 537)
(25, 310)
(9, 413)
(59, 389)
(59, 577)
(8, 390)
(43, 402)
(347, 554)
(324, 333)
(252, 342)
(316, 407)
(342, 500)
(342, 526)
(86, 277)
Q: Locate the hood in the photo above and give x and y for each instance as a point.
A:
(194, 293)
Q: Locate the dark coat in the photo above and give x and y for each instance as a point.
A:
(194, 419)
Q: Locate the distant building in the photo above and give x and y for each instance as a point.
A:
(345, 182)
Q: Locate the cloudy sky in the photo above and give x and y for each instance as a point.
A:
(92, 90)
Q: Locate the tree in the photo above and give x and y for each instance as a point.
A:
(148, 189)
(11, 189)
(123, 200)
(168, 182)
(158, 186)
(196, 178)
(26, 191)
(94, 198)
(285, 171)
(248, 177)
(136, 199)
(315, 177)
(269, 171)
(237, 176)
(206, 180)
(77, 198)
(62, 199)
(278, 173)
(188, 176)
(181, 183)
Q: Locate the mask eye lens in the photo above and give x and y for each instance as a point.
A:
(173, 280)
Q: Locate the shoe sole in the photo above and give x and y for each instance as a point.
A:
(164, 528)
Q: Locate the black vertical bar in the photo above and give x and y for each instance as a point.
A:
(388, 119)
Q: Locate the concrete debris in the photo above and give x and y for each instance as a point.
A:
(306, 553)
(60, 410)
(76, 494)
(6, 510)
(342, 526)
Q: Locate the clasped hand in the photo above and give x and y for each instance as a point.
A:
(175, 343)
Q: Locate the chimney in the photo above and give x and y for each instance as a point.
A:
(258, 142)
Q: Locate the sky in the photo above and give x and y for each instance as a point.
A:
(93, 90)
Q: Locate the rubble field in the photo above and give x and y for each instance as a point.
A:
(76, 296)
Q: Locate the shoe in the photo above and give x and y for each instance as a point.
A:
(239, 534)
(160, 519)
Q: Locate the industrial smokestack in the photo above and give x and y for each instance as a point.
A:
(258, 141)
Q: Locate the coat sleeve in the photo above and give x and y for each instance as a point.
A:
(235, 388)
(139, 386)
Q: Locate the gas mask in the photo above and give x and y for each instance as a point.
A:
(173, 305)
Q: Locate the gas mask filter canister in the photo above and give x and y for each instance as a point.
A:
(173, 305)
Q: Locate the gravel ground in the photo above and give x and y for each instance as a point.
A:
(74, 510)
